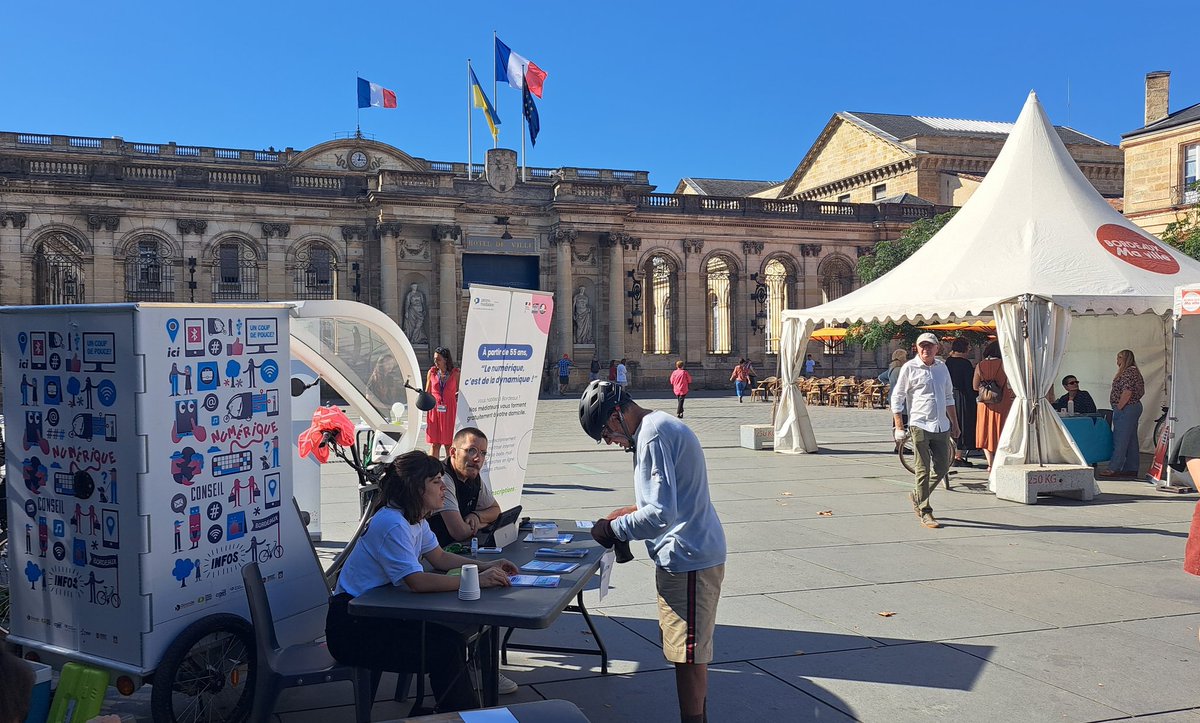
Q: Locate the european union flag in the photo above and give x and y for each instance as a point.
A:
(531, 115)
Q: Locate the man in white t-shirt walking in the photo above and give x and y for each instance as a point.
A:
(923, 389)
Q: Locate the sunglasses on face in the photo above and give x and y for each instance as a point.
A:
(1073, 383)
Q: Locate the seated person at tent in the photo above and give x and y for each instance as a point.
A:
(1083, 400)
(389, 552)
(469, 505)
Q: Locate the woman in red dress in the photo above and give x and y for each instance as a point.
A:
(442, 383)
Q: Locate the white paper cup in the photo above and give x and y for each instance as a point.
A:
(468, 584)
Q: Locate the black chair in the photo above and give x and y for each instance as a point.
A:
(296, 665)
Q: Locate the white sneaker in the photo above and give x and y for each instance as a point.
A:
(506, 686)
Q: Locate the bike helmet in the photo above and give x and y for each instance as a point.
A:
(597, 403)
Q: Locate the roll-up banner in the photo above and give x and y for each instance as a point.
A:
(503, 352)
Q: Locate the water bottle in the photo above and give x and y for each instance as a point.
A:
(1070, 407)
(474, 546)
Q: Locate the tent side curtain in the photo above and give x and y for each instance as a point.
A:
(1033, 433)
(793, 429)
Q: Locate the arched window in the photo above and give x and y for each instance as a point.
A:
(314, 272)
(778, 279)
(234, 272)
(660, 305)
(149, 271)
(58, 271)
(837, 277)
(720, 336)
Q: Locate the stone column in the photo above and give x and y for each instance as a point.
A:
(563, 240)
(355, 238)
(183, 289)
(273, 272)
(448, 292)
(616, 296)
(16, 284)
(692, 303)
(389, 282)
(103, 286)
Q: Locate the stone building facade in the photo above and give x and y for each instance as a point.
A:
(639, 275)
(1162, 159)
(869, 157)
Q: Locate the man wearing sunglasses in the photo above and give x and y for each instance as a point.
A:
(675, 516)
(1083, 400)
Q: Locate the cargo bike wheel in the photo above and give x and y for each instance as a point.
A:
(206, 673)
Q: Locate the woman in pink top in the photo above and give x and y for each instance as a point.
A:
(681, 382)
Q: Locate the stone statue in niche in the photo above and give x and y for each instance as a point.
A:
(583, 318)
(414, 315)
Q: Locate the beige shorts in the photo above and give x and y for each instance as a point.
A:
(687, 612)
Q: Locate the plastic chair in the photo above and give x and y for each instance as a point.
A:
(296, 665)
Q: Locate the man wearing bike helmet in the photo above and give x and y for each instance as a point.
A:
(924, 390)
(675, 516)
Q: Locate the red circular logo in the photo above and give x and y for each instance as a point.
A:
(1136, 249)
(1191, 302)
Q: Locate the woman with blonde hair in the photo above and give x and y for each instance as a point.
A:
(681, 383)
(889, 375)
(1128, 388)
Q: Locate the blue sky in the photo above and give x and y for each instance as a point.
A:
(727, 90)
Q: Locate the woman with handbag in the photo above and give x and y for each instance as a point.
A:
(994, 397)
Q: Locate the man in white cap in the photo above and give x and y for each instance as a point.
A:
(923, 389)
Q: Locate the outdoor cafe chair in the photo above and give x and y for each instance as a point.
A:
(866, 394)
(278, 668)
(763, 390)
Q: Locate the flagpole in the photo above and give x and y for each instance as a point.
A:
(523, 92)
(495, 95)
(357, 110)
(470, 150)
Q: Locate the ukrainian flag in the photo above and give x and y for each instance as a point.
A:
(485, 105)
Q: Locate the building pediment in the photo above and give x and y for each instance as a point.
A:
(840, 143)
(354, 155)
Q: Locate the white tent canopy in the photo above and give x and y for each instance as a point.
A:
(1035, 228)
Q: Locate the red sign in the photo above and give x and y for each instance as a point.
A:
(1136, 249)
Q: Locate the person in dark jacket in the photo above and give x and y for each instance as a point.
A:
(1083, 400)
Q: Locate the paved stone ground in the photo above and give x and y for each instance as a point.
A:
(1057, 611)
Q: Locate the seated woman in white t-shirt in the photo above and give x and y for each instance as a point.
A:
(389, 552)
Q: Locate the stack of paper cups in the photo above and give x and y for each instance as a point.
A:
(468, 584)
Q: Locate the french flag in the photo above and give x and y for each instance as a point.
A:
(374, 95)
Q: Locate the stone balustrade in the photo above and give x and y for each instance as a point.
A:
(266, 171)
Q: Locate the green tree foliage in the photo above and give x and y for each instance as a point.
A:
(887, 256)
(1184, 232)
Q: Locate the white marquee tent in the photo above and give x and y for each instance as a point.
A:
(1069, 281)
